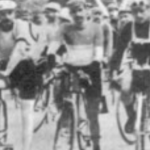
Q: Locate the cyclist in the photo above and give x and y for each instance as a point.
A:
(113, 15)
(65, 15)
(18, 50)
(7, 29)
(124, 16)
(96, 14)
(51, 11)
(107, 42)
(84, 49)
(134, 36)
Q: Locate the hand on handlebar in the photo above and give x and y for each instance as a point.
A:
(58, 70)
(4, 73)
(84, 76)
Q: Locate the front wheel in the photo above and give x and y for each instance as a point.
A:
(64, 136)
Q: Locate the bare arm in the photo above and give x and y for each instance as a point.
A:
(18, 54)
(98, 46)
(107, 34)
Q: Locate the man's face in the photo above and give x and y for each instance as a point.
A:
(7, 20)
(140, 14)
(7, 14)
(79, 14)
(51, 14)
(97, 17)
(113, 14)
(124, 16)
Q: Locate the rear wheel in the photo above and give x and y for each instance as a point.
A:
(121, 117)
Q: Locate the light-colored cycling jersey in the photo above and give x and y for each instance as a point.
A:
(8, 40)
(81, 43)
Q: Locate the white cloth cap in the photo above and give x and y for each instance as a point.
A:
(145, 2)
(53, 5)
(129, 3)
(65, 14)
(7, 4)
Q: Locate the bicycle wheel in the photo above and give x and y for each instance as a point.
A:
(65, 132)
(83, 141)
(121, 117)
(83, 132)
(41, 109)
(3, 122)
(141, 135)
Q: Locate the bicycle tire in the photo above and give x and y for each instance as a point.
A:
(121, 129)
(140, 138)
(66, 120)
(83, 140)
(45, 114)
(82, 143)
(4, 115)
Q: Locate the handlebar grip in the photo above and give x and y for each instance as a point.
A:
(4, 81)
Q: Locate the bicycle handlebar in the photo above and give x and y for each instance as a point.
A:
(65, 69)
(4, 81)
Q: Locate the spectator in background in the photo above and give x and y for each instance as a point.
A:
(89, 7)
(51, 11)
(125, 16)
(65, 15)
(113, 17)
(96, 15)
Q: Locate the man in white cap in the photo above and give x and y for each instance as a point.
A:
(7, 16)
(51, 11)
(15, 46)
(65, 15)
(135, 38)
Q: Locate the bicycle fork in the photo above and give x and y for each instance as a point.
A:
(140, 102)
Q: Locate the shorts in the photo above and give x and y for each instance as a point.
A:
(27, 78)
(93, 70)
(141, 81)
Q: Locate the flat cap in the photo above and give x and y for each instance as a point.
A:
(76, 3)
(53, 6)
(7, 4)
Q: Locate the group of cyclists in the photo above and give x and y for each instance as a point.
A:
(82, 36)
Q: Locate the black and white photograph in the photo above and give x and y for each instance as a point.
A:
(74, 74)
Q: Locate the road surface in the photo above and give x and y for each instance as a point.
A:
(43, 139)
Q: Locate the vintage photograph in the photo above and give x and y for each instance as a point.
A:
(74, 74)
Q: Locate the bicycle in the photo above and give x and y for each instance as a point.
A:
(4, 117)
(141, 106)
(68, 126)
(42, 112)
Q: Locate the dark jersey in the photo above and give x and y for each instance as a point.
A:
(125, 36)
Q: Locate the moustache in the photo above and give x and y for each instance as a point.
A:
(6, 25)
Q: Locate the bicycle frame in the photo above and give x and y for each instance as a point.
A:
(77, 103)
